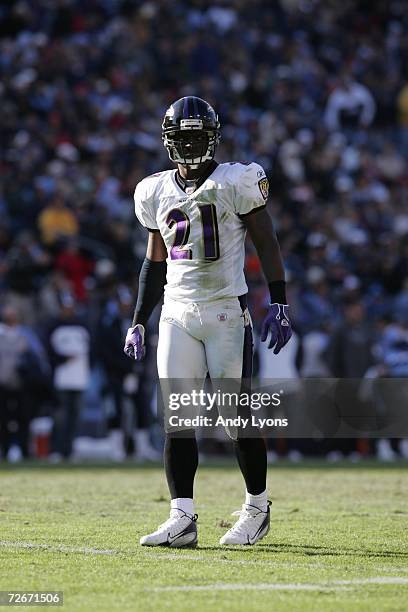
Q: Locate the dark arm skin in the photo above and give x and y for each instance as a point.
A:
(263, 235)
(156, 249)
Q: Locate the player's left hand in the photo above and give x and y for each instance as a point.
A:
(277, 322)
(135, 342)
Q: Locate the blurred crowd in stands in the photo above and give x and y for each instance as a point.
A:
(315, 91)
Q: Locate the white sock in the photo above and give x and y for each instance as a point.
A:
(259, 501)
(186, 504)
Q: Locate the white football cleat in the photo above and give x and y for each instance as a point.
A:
(252, 525)
(179, 531)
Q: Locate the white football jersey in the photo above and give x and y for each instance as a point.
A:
(203, 232)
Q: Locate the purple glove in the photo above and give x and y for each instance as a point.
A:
(277, 322)
(134, 343)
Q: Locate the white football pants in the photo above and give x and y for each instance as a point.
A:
(196, 338)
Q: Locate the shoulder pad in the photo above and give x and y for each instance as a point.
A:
(248, 172)
(146, 187)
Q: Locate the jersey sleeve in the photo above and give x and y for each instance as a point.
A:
(252, 190)
(144, 207)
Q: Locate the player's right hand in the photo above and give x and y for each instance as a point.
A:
(135, 342)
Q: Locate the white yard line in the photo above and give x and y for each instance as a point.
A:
(377, 580)
(246, 587)
(249, 587)
(339, 585)
(146, 554)
(297, 586)
(60, 548)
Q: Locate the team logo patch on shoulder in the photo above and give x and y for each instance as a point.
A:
(263, 185)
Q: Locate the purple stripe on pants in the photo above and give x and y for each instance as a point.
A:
(248, 347)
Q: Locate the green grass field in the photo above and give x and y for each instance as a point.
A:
(338, 539)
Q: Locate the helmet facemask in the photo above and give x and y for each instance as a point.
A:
(190, 132)
(191, 147)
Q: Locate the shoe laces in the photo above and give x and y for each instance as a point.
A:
(246, 515)
(175, 516)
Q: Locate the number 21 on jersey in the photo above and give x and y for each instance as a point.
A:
(209, 225)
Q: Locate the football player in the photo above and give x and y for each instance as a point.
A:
(197, 216)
